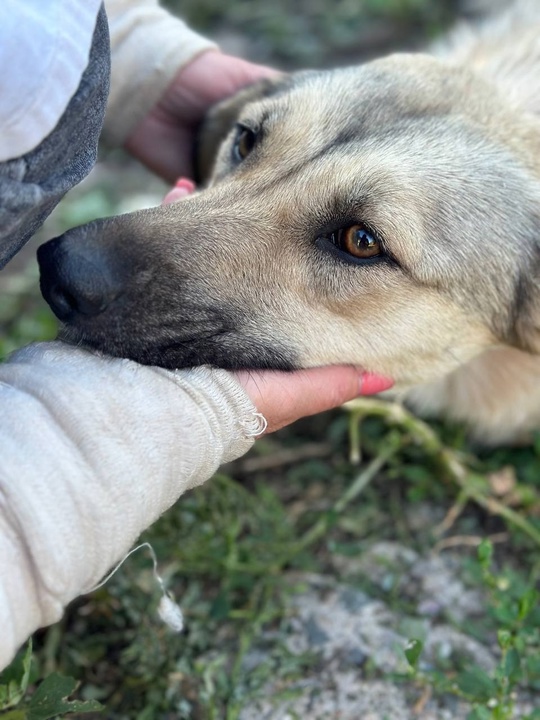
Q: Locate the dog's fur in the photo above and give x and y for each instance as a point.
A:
(439, 155)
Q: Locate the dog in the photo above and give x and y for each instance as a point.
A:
(386, 215)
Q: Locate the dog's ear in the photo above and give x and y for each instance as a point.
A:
(222, 117)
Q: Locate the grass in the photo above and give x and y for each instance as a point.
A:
(234, 551)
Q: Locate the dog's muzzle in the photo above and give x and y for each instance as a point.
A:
(116, 296)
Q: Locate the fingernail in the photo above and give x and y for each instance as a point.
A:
(371, 384)
(185, 184)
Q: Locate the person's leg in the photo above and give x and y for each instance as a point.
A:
(32, 185)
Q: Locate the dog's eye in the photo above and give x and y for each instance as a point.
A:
(358, 241)
(244, 143)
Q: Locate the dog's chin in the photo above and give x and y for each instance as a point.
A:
(224, 351)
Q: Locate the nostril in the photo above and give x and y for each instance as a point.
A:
(89, 301)
(62, 302)
(66, 303)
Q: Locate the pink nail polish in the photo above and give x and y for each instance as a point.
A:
(181, 189)
(185, 184)
(371, 384)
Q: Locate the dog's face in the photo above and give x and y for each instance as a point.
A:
(385, 215)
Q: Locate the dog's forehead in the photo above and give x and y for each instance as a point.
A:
(381, 129)
(406, 123)
(368, 98)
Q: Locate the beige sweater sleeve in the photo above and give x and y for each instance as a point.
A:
(92, 451)
(148, 47)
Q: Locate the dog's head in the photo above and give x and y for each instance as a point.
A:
(385, 215)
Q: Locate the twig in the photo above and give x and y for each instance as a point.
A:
(451, 516)
(467, 540)
(287, 456)
(364, 478)
(422, 700)
(425, 436)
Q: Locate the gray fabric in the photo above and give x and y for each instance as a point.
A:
(32, 185)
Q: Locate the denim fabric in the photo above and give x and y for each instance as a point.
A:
(32, 185)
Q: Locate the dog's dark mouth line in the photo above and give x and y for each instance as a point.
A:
(189, 352)
(77, 337)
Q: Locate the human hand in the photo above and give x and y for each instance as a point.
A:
(164, 139)
(283, 397)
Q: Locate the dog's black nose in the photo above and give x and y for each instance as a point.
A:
(75, 278)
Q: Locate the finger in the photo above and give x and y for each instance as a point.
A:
(285, 397)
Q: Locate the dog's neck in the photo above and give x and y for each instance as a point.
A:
(504, 50)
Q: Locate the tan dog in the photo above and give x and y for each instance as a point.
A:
(386, 215)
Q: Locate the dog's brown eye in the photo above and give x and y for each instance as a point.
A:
(244, 143)
(359, 242)
(356, 244)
